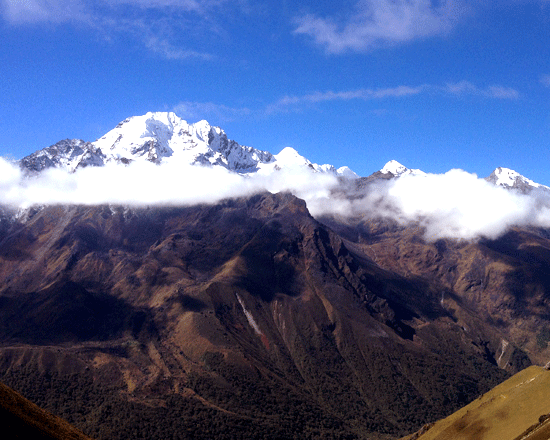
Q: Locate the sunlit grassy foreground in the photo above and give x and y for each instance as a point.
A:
(509, 411)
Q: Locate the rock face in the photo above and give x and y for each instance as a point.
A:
(69, 154)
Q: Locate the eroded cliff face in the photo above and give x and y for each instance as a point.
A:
(252, 314)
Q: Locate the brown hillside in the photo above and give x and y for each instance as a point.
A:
(516, 409)
(251, 319)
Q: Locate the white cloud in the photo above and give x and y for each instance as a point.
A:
(144, 183)
(379, 22)
(294, 103)
(459, 204)
(35, 11)
(456, 204)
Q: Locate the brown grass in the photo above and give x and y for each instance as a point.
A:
(506, 412)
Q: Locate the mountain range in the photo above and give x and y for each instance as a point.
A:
(164, 138)
(250, 317)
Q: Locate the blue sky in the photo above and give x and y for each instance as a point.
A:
(434, 85)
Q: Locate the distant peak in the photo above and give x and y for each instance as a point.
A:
(394, 168)
(509, 178)
(347, 172)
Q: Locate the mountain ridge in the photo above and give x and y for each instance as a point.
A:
(163, 137)
(160, 137)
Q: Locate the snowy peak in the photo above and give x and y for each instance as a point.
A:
(289, 158)
(155, 137)
(396, 169)
(152, 137)
(160, 137)
(69, 154)
(510, 179)
(164, 137)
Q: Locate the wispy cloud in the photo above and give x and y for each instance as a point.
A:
(374, 23)
(288, 103)
(35, 11)
(545, 80)
(187, 5)
(171, 52)
(494, 91)
(294, 103)
(159, 24)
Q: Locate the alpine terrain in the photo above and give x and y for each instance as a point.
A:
(259, 315)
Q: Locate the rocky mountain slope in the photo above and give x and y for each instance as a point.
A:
(248, 317)
(241, 309)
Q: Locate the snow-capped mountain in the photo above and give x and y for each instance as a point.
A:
(511, 179)
(503, 177)
(164, 137)
(396, 169)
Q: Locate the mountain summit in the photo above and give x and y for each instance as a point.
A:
(163, 137)
(511, 179)
(396, 169)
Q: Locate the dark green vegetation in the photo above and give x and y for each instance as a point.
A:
(251, 319)
(22, 419)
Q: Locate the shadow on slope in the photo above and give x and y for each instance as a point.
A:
(66, 312)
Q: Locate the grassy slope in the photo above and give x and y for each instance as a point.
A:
(504, 413)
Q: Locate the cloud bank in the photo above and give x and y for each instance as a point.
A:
(456, 204)
(147, 184)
